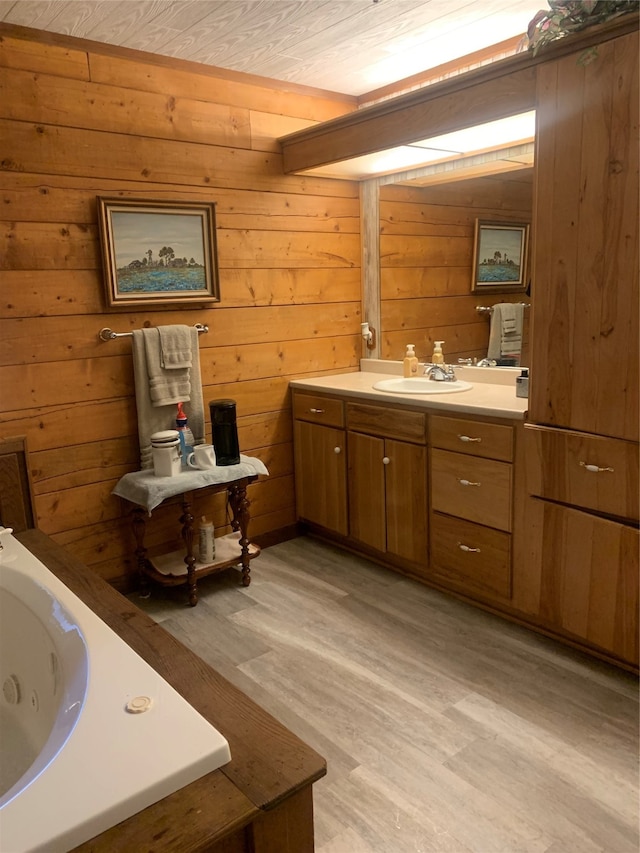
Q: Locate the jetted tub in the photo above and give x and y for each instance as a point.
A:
(90, 734)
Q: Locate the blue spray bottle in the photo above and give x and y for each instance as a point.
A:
(185, 435)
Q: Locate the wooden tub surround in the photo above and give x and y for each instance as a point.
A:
(260, 802)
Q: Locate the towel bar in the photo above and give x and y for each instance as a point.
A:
(109, 334)
(482, 309)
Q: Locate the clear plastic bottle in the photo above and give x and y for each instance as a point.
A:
(207, 542)
(185, 435)
(410, 364)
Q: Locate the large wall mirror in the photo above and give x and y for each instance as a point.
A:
(418, 236)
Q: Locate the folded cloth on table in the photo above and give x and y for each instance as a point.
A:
(145, 489)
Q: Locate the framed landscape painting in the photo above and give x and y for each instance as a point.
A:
(158, 253)
(500, 256)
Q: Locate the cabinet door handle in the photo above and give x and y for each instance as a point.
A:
(594, 468)
(468, 548)
(337, 450)
(468, 438)
(317, 411)
(468, 483)
(385, 460)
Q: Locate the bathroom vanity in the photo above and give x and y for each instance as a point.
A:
(437, 486)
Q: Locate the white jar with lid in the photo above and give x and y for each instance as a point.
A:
(165, 448)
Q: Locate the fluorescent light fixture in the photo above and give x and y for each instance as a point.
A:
(493, 134)
(448, 147)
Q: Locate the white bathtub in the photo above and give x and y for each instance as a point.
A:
(90, 734)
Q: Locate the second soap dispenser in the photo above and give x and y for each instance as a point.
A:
(410, 364)
(438, 356)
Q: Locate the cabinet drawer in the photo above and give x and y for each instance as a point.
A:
(556, 464)
(388, 423)
(471, 556)
(476, 489)
(318, 409)
(492, 441)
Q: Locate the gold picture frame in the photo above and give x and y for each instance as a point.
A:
(158, 253)
(500, 256)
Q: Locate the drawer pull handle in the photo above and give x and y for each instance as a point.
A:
(385, 460)
(468, 438)
(337, 450)
(594, 468)
(468, 483)
(468, 548)
(317, 411)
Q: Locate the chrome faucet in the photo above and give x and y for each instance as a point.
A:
(440, 372)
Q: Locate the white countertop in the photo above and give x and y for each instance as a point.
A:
(492, 394)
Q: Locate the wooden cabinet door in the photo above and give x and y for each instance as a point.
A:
(585, 233)
(388, 495)
(321, 475)
(589, 579)
(406, 500)
(366, 490)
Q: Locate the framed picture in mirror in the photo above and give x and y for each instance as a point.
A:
(500, 256)
(158, 253)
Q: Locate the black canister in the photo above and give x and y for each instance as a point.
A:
(224, 431)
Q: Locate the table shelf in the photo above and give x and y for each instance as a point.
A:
(166, 568)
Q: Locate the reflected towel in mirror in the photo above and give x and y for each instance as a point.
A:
(505, 333)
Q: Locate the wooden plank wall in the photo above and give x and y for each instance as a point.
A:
(78, 121)
(426, 251)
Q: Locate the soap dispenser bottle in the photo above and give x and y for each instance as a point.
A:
(438, 356)
(410, 364)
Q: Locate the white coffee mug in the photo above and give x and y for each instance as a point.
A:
(203, 457)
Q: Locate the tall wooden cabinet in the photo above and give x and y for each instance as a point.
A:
(581, 441)
(585, 234)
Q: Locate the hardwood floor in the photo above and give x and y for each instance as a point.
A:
(444, 727)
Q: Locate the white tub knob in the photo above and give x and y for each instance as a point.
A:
(139, 704)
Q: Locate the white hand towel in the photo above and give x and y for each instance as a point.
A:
(175, 347)
(165, 386)
(509, 320)
(505, 333)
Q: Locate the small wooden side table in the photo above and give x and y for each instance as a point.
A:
(178, 567)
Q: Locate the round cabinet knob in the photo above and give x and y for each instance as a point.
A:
(385, 460)
(337, 450)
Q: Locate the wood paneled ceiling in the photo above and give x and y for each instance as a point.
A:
(352, 47)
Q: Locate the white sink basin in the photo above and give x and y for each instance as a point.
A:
(420, 385)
